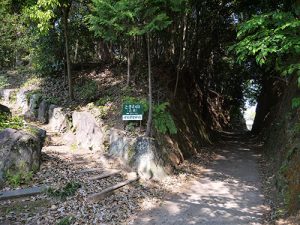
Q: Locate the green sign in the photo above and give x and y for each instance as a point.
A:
(132, 111)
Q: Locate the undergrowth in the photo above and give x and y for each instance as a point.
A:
(87, 91)
(19, 176)
(66, 220)
(62, 193)
(3, 82)
(14, 122)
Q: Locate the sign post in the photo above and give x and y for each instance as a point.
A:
(132, 111)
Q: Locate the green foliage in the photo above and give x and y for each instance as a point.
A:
(52, 100)
(66, 220)
(34, 92)
(272, 39)
(103, 110)
(14, 122)
(88, 90)
(251, 90)
(19, 178)
(295, 103)
(3, 82)
(47, 54)
(14, 41)
(103, 101)
(163, 121)
(112, 19)
(33, 80)
(62, 193)
(296, 128)
(43, 12)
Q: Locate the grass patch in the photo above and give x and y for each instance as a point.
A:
(68, 220)
(14, 122)
(62, 193)
(19, 176)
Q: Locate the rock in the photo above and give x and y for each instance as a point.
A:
(120, 145)
(43, 112)
(34, 102)
(22, 100)
(88, 134)
(146, 159)
(58, 119)
(4, 109)
(141, 154)
(20, 151)
(69, 137)
(6, 94)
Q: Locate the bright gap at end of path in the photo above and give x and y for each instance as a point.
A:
(249, 115)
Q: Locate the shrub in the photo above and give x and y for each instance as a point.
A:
(162, 119)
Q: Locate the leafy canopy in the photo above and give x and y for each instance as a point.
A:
(273, 39)
(111, 19)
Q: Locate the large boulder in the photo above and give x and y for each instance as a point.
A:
(88, 134)
(142, 154)
(120, 146)
(21, 101)
(43, 112)
(34, 103)
(6, 94)
(147, 160)
(58, 119)
(20, 151)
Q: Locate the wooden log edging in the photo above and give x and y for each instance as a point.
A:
(91, 170)
(109, 191)
(20, 193)
(104, 175)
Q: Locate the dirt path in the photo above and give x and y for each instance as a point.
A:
(228, 192)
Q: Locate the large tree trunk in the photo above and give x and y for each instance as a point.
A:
(65, 25)
(149, 121)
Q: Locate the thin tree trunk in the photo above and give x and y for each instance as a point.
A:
(149, 121)
(65, 24)
(128, 63)
(181, 53)
(76, 51)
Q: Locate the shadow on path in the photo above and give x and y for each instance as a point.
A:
(228, 192)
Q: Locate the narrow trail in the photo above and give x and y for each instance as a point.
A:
(228, 192)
